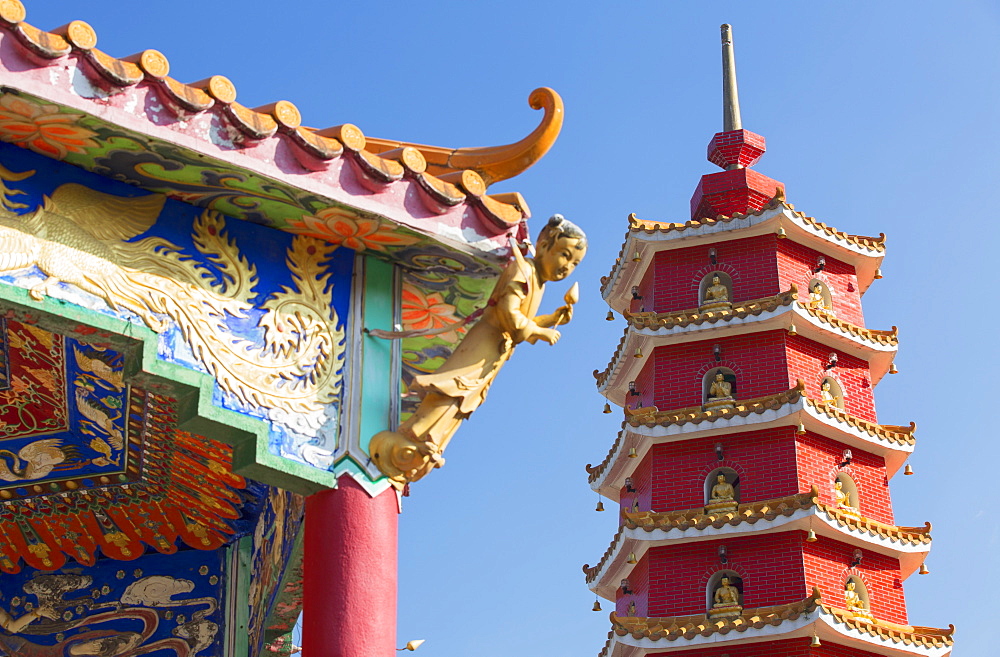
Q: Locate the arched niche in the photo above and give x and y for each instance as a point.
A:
(724, 279)
(834, 395)
(715, 581)
(732, 478)
(820, 299)
(848, 487)
(862, 595)
(728, 376)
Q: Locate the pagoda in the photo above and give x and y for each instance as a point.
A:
(751, 470)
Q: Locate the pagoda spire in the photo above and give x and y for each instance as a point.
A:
(738, 189)
(730, 92)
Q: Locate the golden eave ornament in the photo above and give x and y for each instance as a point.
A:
(453, 392)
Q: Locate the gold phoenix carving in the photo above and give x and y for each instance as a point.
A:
(81, 236)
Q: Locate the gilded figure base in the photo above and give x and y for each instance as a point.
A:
(403, 459)
(720, 402)
(849, 511)
(722, 507)
(725, 611)
(718, 305)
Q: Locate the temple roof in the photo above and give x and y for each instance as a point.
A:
(769, 509)
(645, 331)
(815, 618)
(648, 237)
(893, 442)
(688, 627)
(741, 310)
(794, 512)
(51, 77)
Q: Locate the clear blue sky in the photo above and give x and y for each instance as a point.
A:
(880, 117)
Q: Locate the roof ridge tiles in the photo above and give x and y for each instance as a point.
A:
(751, 512)
(651, 416)
(282, 118)
(689, 627)
(636, 225)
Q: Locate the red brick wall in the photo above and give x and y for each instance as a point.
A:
(638, 580)
(642, 483)
(758, 359)
(673, 280)
(795, 266)
(770, 565)
(645, 383)
(826, 566)
(797, 647)
(765, 461)
(806, 360)
(818, 460)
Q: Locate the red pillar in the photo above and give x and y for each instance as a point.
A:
(350, 576)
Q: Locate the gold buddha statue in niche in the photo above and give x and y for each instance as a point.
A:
(723, 496)
(826, 395)
(457, 388)
(817, 301)
(726, 600)
(843, 499)
(853, 602)
(720, 393)
(716, 296)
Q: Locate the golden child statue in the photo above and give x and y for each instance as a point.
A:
(459, 386)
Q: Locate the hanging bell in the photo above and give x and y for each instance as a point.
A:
(597, 605)
(638, 352)
(600, 505)
(792, 330)
(892, 368)
(815, 642)
(908, 470)
(781, 233)
(800, 430)
(878, 273)
(607, 408)
(611, 316)
(632, 454)
(631, 558)
(637, 257)
(811, 537)
(924, 570)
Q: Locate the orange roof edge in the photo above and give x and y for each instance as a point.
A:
(493, 163)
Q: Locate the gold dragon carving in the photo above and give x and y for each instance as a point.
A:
(87, 239)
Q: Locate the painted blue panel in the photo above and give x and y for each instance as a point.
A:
(261, 310)
(159, 604)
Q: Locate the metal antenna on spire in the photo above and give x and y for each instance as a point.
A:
(730, 94)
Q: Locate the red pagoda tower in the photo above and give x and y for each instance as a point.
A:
(751, 471)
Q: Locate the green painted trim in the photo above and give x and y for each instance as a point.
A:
(292, 571)
(377, 385)
(240, 616)
(248, 436)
